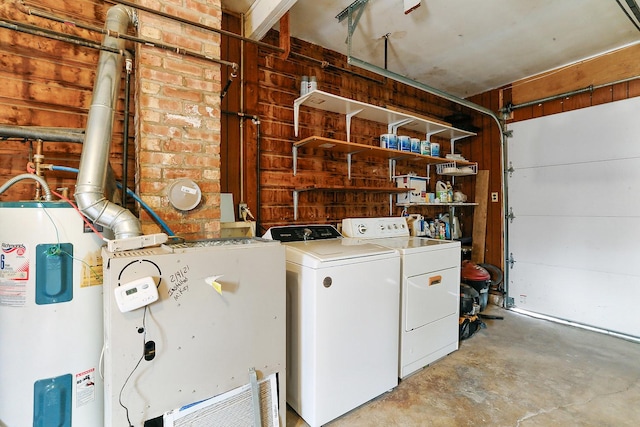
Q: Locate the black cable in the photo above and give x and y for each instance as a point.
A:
(141, 260)
(144, 331)
(144, 340)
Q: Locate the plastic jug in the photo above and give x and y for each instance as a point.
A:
(456, 233)
(441, 192)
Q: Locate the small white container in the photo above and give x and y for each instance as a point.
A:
(435, 149)
(313, 83)
(389, 140)
(404, 143)
(424, 148)
(415, 145)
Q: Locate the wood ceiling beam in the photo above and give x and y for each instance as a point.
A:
(263, 14)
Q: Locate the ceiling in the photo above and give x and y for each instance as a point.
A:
(463, 47)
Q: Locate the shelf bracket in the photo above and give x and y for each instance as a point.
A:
(348, 117)
(295, 205)
(453, 142)
(433, 133)
(349, 155)
(393, 126)
(295, 160)
(296, 114)
(392, 169)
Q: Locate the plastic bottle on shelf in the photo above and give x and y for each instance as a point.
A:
(304, 86)
(449, 192)
(313, 83)
(441, 192)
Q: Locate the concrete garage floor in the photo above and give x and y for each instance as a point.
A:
(519, 371)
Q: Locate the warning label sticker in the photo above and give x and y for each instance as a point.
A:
(91, 270)
(14, 273)
(85, 387)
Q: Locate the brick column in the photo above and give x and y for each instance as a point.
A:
(178, 116)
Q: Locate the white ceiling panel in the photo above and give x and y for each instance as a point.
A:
(466, 47)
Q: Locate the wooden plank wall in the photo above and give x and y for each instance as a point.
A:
(49, 83)
(230, 158)
(487, 151)
(272, 85)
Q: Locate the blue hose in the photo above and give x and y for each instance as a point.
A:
(146, 207)
(64, 168)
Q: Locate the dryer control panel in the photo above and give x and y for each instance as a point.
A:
(301, 233)
(375, 228)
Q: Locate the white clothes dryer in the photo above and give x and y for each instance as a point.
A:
(430, 288)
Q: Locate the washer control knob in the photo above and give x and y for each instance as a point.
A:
(362, 228)
(306, 233)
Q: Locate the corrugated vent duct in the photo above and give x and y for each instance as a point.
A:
(94, 162)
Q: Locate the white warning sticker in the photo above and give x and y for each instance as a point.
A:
(14, 273)
(85, 387)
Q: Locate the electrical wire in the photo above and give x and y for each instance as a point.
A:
(144, 340)
(146, 207)
(84, 218)
(144, 331)
(57, 249)
(140, 261)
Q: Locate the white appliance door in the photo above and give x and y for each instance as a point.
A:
(344, 347)
(430, 297)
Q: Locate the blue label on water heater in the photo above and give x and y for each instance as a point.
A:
(54, 273)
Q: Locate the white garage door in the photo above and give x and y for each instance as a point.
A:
(575, 195)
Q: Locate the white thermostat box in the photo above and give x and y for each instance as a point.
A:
(136, 294)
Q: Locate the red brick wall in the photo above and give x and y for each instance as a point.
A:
(178, 116)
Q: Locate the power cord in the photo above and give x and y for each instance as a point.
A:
(144, 340)
(145, 351)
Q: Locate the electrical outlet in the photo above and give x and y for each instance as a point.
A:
(241, 208)
(494, 196)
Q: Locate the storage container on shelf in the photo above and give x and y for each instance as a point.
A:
(418, 184)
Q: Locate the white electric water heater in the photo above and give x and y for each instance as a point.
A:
(51, 331)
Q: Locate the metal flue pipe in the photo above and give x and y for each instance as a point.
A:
(94, 161)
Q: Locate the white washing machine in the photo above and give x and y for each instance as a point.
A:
(342, 321)
(430, 291)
